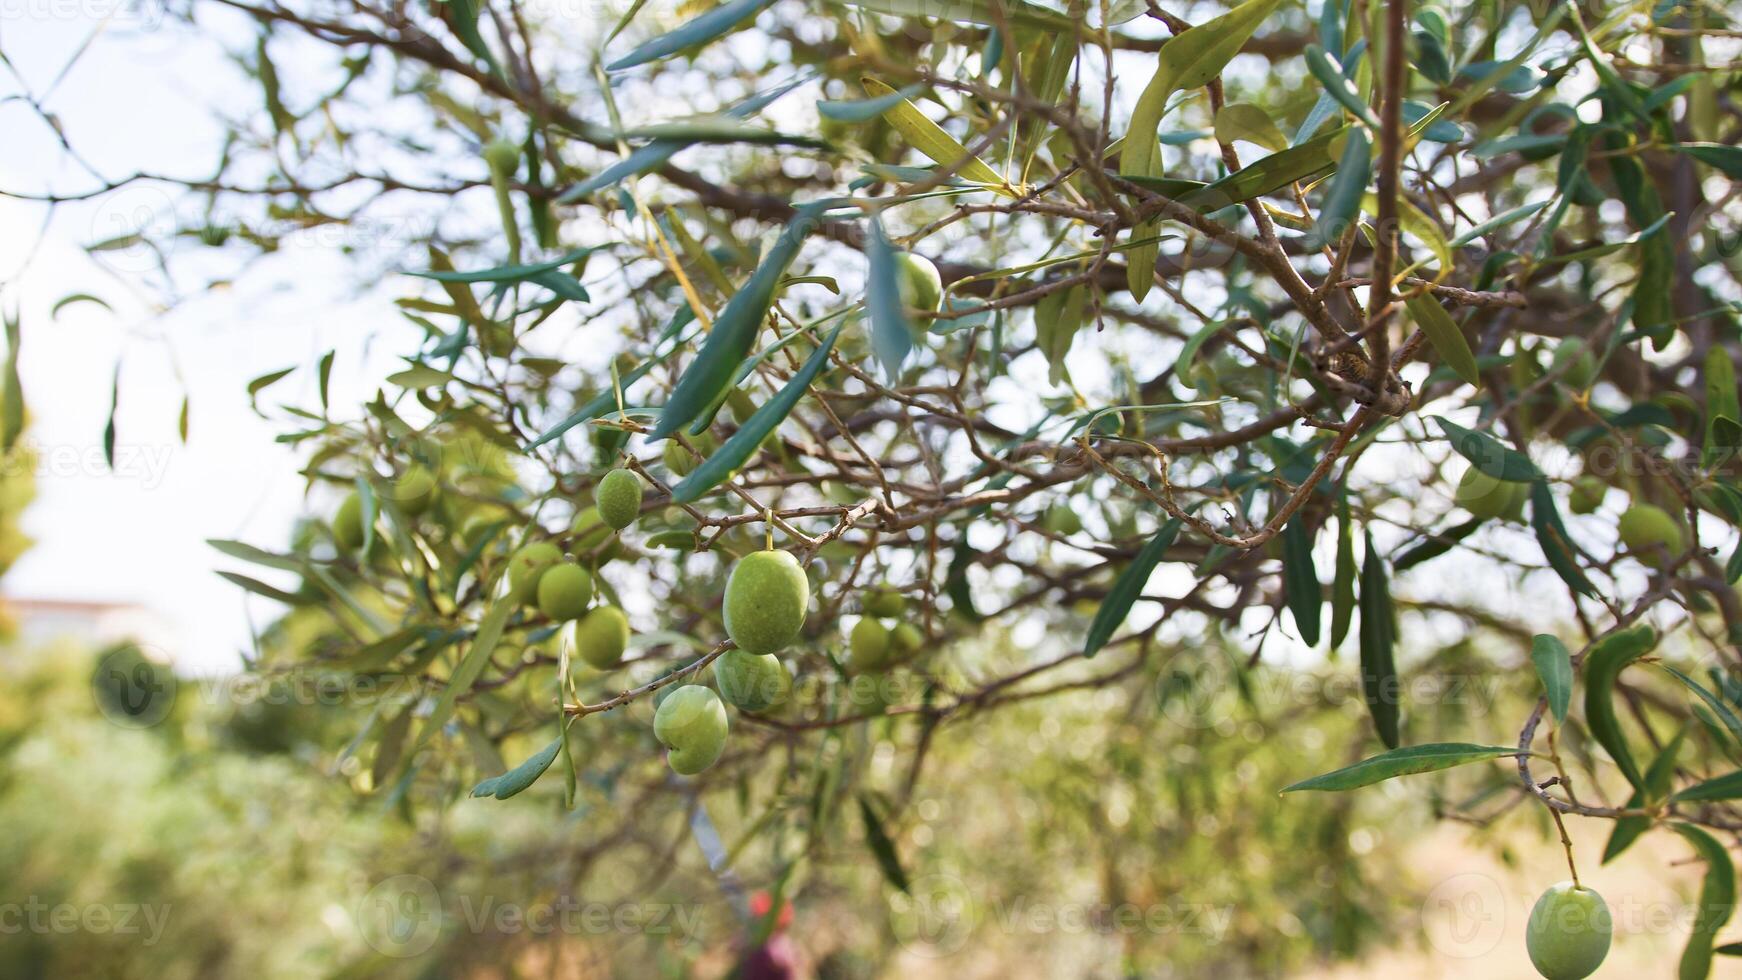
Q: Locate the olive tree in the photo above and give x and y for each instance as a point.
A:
(796, 371)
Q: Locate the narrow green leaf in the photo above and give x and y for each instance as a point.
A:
(12, 397)
(249, 553)
(1726, 787)
(656, 153)
(1188, 354)
(1245, 121)
(1554, 666)
(1657, 783)
(260, 588)
(865, 110)
(700, 30)
(891, 334)
(1379, 687)
(1343, 580)
(1188, 60)
(1436, 544)
(1719, 708)
(1602, 666)
(1305, 596)
(1725, 159)
(520, 777)
(1553, 539)
(930, 139)
(1487, 454)
(1717, 902)
(1127, 587)
(882, 848)
(1723, 414)
(735, 330)
(733, 453)
(1329, 72)
(1497, 222)
(66, 301)
(987, 13)
(1407, 761)
(1342, 202)
(503, 273)
(1445, 335)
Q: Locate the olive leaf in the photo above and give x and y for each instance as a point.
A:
(1554, 666)
(734, 330)
(891, 334)
(1487, 454)
(1437, 544)
(930, 139)
(1717, 902)
(1723, 415)
(1127, 587)
(1445, 335)
(1406, 761)
(1712, 701)
(702, 29)
(1245, 121)
(1329, 72)
(1301, 579)
(1379, 687)
(1602, 666)
(1553, 539)
(882, 848)
(522, 776)
(1189, 60)
(1657, 783)
(1342, 202)
(737, 449)
(1343, 579)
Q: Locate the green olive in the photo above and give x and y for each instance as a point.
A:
(1587, 496)
(867, 647)
(1491, 498)
(415, 490)
(885, 602)
(619, 498)
(601, 636)
(564, 592)
(348, 523)
(526, 566)
(691, 722)
(919, 284)
(1650, 532)
(752, 682)
(766, 598)
(1568, 933)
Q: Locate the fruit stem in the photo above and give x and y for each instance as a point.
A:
(1567, 844)
(768, 528)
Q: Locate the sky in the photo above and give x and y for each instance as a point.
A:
(140, 98)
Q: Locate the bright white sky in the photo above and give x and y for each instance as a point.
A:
(140, 98)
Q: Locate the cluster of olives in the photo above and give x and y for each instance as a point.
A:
(1650, 533)
(873, 646)
(1568, 933)
(767, 596)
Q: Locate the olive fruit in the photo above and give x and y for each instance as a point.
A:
(1568, 933)
(502, 156)
(765, 602)
(348, 523)
(415, 489)
(887, 603)
(691, 722)
(906, 639)
(601, 636)
(527, 565)
(1646, 528)
(867, 646)
(564, 591)
(1587, 496)
(918, 283)
(1574, 362)
(1061, 519)
(589, 537)
(751, 681)
(1491, 498)
(619, 498)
